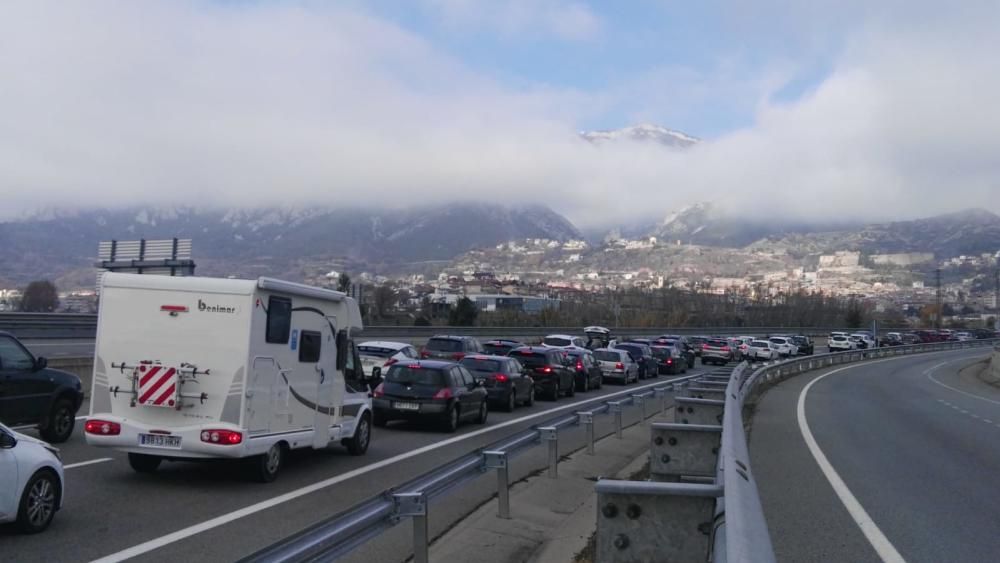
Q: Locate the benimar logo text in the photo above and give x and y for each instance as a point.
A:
(202, 306)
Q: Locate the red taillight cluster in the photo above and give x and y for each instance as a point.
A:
(221, 437)
(425, 354)
(579, 366)
(379, 391)
(389, 362)
(619, 365)
(457, 356)
(547, 369)
(725, 348)
(443, 394)
(102, 427)
(501, 378)
(670, 360)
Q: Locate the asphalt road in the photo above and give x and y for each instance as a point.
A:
(109, 508)
(913, 440)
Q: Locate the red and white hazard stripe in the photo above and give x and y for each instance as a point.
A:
(157, 386)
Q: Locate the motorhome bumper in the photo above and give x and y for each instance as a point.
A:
(191, 445)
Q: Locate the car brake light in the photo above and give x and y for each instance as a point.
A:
(389, 362)
(443, 394)
(579, 366)
(174, 308)
(379, 391)
(501, 377)
(221, 437)
(424, 353)
(670, 360)
(725, 348)
(458, 356)
(102, 427)
(619, 365)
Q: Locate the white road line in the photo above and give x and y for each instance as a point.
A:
(84, 463)
(946, 386)
(883, 547)
(184, 533)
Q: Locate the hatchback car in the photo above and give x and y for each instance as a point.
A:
(442, 392)
(687, 352)
(548, 368)
(761, 350)
(716, 351)
(617, 364)
(450, 347)
(785, 346)
(377, 355)
(33, 393)
(670, 360)
(31, 490)
(840, 343)
(500, 347)
(564, 341)
(643, 356)
(804, 343)
(507, 385)
(587, 370)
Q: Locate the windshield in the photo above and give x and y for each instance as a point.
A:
(556, 341)
(444, 345)
(406, 375)
(607, 356)
(483, 365)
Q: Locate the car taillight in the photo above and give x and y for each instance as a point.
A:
(725, 348)
(619, 365)
(389, 362)
(547, 369)
(379, 391)
(457, 356)
(102, 427)
(221, 437)
(501, 378)
(670, 360)
(579, 366)
(444, 394)
(425, 354)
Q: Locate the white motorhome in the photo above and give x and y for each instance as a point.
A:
(197, 368)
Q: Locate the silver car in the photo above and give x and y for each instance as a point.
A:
(617, 364)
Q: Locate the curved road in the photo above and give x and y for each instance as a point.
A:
(914, 442)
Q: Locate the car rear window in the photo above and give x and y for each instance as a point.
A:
(839, 338)
(636, 350)
(660, 352)
(606, 356)
(532, 359)
(483, 365)
(444, 345)
(778, 340)
(500, 349)
(761, 344)
(556, 341)
(716, 343)
(407, 375)
(376, 351)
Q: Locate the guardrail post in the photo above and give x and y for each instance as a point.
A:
(587, 420)
(498, 460)
(414, 505)
(550, 434)
(616, 409)
(641, 402)
(683, 450)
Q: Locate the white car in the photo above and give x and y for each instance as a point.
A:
(785, 346)
(964, 336)
(564, 341)
(762, 350)
(31, 486)
(840, 343)
(863, 340)
(380, 354)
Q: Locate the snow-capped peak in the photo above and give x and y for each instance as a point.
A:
(642, 132)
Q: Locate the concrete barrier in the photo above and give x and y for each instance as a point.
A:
(991, 374)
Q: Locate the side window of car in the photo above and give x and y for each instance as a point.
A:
(13, 356)
(410, 352)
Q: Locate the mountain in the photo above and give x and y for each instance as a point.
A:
(274, 240)
(643, 132)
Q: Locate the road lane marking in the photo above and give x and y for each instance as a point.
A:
(930, 370)
(223, 519)
(85, 463)
(883, 547)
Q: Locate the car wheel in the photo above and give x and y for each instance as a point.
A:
(144, 463)
(38, 502)
(531, 396)
(59, 425)
(554, 395)
(484, 412)
(511, 401)
(586, 384)
(358, 444)
(600, 382)
(267, 466)
(571, 390)
(451, 419)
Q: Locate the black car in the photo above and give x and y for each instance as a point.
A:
(504, 378)
(500, 347)
(31, 393)
(587, 370)
(669, 360)
(452, 348)
(804, 343)
(641, 353)
(443, 392)
(683, 344)
(548, 368)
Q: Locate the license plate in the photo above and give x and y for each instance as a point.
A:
(406, 406)
(159, 441)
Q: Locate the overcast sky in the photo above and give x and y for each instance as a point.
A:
(820, 109)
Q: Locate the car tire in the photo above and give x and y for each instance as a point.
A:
(39, 502)
(267, 465)
(144, 463)
(554, 394)
(484, 413)
(59, 424)
(530, 402)
(511, 402)
(451, 419)
(358, 444)
(571, 390)
(600, 382)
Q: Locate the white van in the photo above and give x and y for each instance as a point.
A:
(198, 368)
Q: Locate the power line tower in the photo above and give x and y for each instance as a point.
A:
(937, 299)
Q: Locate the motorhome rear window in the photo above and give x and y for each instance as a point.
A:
(406, 375)
(444, 345)
(309, 346)
(279, 320)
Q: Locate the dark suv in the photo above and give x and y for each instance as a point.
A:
(548, 367)
(31, 393)
(443, 392)
(452, 348)
(588, 371)
(804, 343)
(506, 382)
(643, 355)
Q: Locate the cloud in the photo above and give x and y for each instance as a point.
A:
(564, 19)
(112, 104)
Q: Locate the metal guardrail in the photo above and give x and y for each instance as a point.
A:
(83, 326)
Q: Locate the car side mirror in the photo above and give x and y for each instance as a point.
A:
(7, 441)
(41, 363)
